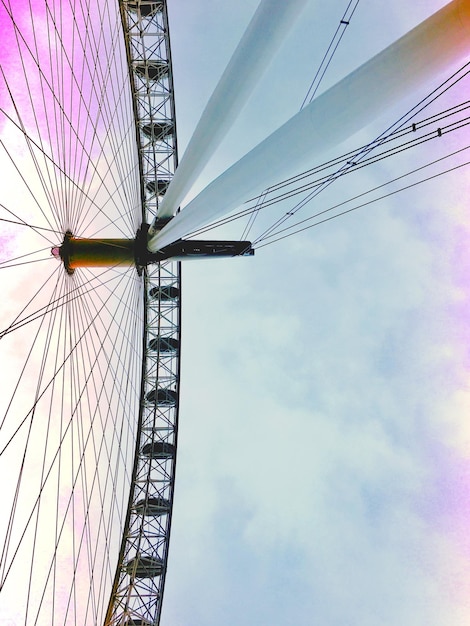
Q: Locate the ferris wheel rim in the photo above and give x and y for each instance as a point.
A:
(113, 149)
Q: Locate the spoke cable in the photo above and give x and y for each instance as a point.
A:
(392, 193)
(268, 200)
(330, 52)
(400, 123)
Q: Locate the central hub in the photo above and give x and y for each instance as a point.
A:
(79, 252)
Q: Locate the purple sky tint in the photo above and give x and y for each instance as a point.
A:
(7, 245)
(43, 97)
(448, 443)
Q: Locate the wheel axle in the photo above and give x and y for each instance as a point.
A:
(79, 252)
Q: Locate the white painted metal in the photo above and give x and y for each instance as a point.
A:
(136, 598)
(411, 65)
(262, 38)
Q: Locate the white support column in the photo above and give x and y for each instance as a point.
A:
(414, 63)
(262, 38)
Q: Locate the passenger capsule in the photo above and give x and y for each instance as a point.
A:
(153, 507)
(164, 344)
(158, 130)
(165, 292)
(144, 567)
(154, 70)
(164, 397)
(159, 187)
(147, 9)
(158, 450)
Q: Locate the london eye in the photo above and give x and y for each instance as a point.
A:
(312, 423)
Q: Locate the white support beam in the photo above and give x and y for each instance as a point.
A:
(412, 64)
(261, 40)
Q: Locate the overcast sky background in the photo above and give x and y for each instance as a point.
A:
(323, 461)
(323, 453)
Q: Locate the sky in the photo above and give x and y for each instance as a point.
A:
(323, 449)
(324, 460)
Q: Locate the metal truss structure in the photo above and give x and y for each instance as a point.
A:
(137, 593)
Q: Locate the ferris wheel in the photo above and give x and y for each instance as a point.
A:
(91, 356)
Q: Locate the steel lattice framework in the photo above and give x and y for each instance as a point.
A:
(140, 577)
